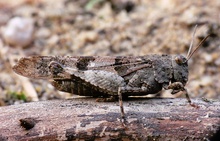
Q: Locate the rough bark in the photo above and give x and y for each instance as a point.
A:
(83, 118)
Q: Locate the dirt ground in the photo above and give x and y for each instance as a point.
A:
(110, 27)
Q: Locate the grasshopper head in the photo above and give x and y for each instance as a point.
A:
(180, 65)
(180, 69)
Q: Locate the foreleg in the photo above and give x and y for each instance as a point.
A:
(177, 87)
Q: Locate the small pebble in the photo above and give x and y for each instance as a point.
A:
(206, 81)
(90, 36)
(208, 57)
(19, 31)
(43, 33)
(217, 62)
(53, 40)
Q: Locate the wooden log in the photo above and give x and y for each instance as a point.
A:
(83, 118)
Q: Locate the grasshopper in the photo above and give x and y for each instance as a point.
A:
(107, 76)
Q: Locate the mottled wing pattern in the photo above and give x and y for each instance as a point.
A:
(38, 66)
(120, 65)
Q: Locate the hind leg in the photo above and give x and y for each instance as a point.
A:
(121, 103)
(129, 89)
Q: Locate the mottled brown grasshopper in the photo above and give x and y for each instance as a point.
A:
(107, 76)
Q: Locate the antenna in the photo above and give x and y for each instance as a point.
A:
(192, 41)
(203, 40)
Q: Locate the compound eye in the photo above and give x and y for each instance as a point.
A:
(180, 59)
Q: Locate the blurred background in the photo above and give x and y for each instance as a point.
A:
(107, 27)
